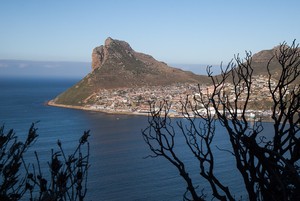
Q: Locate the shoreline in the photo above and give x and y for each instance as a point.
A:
(52, 104)
(115, 112)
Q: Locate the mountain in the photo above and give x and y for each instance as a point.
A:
(267, 60)
(260, 61)
(116, 65)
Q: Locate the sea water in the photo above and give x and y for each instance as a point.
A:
(119, 170)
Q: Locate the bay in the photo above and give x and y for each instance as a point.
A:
(119, 170)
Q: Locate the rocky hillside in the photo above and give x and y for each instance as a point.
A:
(116, 65)
(260, 60)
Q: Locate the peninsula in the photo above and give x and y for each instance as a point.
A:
(124, 81)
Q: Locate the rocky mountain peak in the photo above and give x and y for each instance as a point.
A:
(108, 41)
(113, 49)
(116, 44)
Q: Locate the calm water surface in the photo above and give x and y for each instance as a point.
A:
(118, 168)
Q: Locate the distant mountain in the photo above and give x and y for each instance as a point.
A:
(116, 65)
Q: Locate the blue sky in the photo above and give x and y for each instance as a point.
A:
(173, 31)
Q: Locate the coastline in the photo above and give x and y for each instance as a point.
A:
(51, 103)
(116, 112)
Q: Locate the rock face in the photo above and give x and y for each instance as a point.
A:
(97, 57)
(116, 65)
(101, 53)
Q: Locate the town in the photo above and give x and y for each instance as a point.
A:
(137, 100)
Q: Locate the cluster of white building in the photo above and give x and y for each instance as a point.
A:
(136, 100)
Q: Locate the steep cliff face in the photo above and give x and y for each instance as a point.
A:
(116, 65)
(97, 57)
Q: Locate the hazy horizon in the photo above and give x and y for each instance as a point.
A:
(43, 69)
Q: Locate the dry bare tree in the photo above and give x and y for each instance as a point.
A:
(66, 179)
(269, 165)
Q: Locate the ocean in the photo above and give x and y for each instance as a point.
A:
(119, 170)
